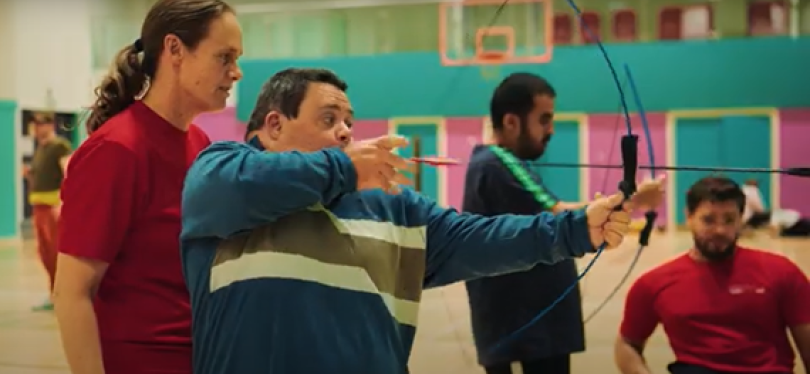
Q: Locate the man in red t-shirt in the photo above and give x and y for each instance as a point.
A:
(724, 308)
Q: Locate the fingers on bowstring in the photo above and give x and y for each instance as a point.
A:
(382, 181)
(394, 184)
(389, 142)
(396, 161)
(400, 179)
(391, 180)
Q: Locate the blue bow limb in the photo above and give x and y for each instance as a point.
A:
(629, 147)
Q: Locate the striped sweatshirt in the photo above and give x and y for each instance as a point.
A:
(291, 270)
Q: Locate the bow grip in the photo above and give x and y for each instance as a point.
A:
(644, 235)
(630, 162)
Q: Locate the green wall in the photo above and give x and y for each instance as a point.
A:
(393, 28)
(9, 175)
(669, 75)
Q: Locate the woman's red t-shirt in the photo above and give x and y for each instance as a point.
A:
(121, 205)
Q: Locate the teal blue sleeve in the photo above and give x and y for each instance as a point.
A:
(462, 246)
(232, 187)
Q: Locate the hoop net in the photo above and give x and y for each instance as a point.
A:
(490, 64)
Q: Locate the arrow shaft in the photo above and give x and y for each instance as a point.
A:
(665, 167)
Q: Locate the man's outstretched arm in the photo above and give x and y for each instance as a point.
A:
(233, 187)
(463, 246)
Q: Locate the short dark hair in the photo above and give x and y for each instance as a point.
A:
(189, 20)
(285, 91)
(714, 189)
(515, 95)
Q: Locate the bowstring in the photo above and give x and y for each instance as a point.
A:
(649, 216)
(637, 253)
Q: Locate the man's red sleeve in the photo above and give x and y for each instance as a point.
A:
(98, 200)
(640, 318)
(794, 297)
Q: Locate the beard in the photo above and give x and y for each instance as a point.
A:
(528, 148)
(716, 249)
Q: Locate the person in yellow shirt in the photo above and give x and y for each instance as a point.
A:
(45, 175)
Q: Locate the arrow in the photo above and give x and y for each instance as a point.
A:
(798, 172)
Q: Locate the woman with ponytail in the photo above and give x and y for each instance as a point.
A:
(120, 297)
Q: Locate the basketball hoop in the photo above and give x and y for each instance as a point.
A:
(492, 57)
(490, 64)
(536, 48)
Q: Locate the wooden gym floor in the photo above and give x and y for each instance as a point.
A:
(29, 342)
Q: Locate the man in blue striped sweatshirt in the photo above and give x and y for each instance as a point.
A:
(303, 257)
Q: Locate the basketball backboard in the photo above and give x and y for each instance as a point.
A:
(471, 32)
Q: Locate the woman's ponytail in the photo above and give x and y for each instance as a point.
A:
(119, 88)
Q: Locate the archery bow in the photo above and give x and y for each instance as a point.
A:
(650, 216)
(629, 147)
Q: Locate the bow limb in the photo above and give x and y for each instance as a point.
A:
(630, 161)
(629, 146)
(628, 185)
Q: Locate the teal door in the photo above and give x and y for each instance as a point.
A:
(734, 142)
(747, 144)
(563, 149)
(428, 146)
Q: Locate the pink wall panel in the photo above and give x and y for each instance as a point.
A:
(367, 129)
(794, 138)
(222, 125)
(462, 135)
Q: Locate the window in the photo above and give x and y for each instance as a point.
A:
(669, 24)
(767, 18)
(624, 25)
(688, 22)
(589, 34)
(563, 29)
(696, 22)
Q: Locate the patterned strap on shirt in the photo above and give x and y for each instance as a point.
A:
(523, 177)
